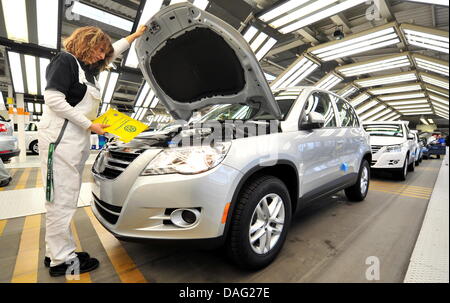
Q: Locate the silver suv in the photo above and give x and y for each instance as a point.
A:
(237, 176)
(8, 142)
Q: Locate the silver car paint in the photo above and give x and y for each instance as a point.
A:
(144, 198)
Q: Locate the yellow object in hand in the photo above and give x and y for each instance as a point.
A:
(121, 125)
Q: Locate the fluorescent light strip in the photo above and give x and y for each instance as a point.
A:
(150, 8)
(412, 106)
(301, 12)
(377, 68)
(359, 99)
(401, 96)
(15, 15)
(364, 43)
(394, 118)
(295, 74)
(30, 67)
(47, 22)
(258, 41)
(347, 91)
(388, 116)
(441, 106)
(372, 112)
(427, 40)
(149, 99)
(445, 94)
(143, 93)
(111, 86)
(380, 114)
(250, 33)
(328, 81)
(432, 66)
(282, 9)
(362, 49)
(269, 77)
(143, 114)
(154, 103)
(415, 114)
(321, 14)
(431, 121)
(412, 110)
(102, 81)
(101, 16)
(43, 63)
(440, 83)
(406, 102)
(439, 99)
(371, 65)
(386, 80)
(366, 107)
(424, 121)
(16, 71)
(266, 48)
(384, 90)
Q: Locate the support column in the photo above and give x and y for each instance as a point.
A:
(10, 102)
(20, 104)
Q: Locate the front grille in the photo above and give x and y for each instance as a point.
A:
(376, 148)
(115, 163)
(111, 218)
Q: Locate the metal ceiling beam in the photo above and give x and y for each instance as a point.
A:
(340, 19)
(385, 10)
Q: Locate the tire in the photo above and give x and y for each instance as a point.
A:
(239, 247)
(412, 166)
(438, 156)
(358, 192)
(34, 147)
(403, 172)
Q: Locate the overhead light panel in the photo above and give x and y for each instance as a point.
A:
(437, 90)
(102, 16)
(402, 96)
(359, 99)
(437, 98)
(295, 73)
(15, 67)
(426, 37)
(395, 89)
(259, 42)
(15, 15)
(382, 80)
(150, 8)
(435, 80)
(431, 64)
(424, 121)
(347, 91)
(431, 121)
(43, 63)
(30, 71)
(394, 118)
(381, 114)
(358, 43)
(365, 107)
(440, 106)
(296, 14)
(329, 81)
(108, 90)
(417, 106)
(388, 116)
(372, 112)
(47, 22)
(408, 102)
(376, 65)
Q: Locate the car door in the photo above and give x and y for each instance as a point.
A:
(319, 160)
(349, 139)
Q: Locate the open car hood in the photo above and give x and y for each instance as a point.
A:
(193, 59)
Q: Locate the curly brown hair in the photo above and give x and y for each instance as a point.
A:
(84, 39)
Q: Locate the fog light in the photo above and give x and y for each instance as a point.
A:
(395, 161)
(185, 217)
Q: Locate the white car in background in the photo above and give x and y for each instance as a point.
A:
(393, 147)
(418, 147)
(31, 141)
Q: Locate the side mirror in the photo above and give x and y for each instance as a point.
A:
(410, 137)
(312, 120)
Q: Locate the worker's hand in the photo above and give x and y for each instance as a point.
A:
(98, 128)
(139, 32)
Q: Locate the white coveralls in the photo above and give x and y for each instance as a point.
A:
(69, 158)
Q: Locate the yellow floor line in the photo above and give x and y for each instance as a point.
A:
(22, 182)
(26, 268)
(396, 185)
(406, 195)
(419, 191)
(125, 267)
(2, 226)
(85, 277)
(39, 179)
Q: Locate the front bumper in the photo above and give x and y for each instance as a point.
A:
(137, 207)
(388, 160)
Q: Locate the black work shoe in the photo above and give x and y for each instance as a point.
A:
(81, 255)
(5, 182)
(85, 265)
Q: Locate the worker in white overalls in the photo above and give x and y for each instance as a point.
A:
(72, 99)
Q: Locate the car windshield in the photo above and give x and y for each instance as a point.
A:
(244, 112)
(384, 130)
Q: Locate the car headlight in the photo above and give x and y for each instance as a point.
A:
(393, 149)
(187, 160)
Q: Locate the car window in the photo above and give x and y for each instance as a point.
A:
(384, 130)
(346, 113)
(321, 103)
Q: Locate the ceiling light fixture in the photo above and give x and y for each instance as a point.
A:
(295, 73)
(431, 64)
(375, 65)
(381, 80)
(426, 37)
(329, 81)
(395, 89)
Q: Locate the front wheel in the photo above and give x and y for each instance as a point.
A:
(260, 223)
(403, 172)
(358, 192)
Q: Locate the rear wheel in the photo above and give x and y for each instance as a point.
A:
(260, 223)
(34, 147)
(358, 192)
